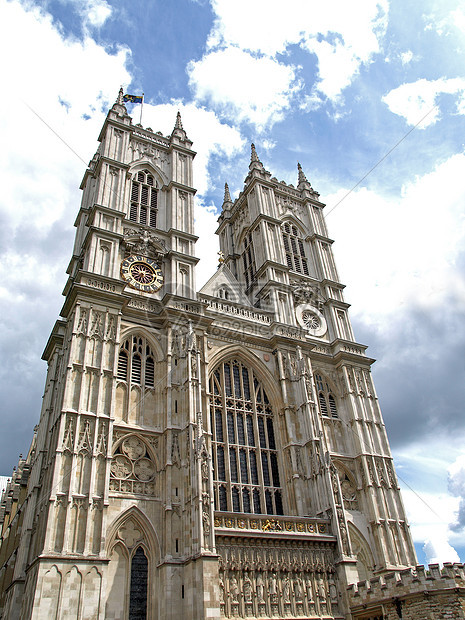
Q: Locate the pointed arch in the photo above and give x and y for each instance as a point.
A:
(326, 395)
(294, 246)
(145, 163)
(260, 369)
(128, 332)
(134, 466)
(149, 535)
(361, 549)
(153, 455)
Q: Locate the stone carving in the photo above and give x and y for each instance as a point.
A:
(247, 589)
(143, 242)
(260, 588)
(96, 330)
(286, 589)
(82, 323)
(234, 589)
(307, 294)
(85, 442)
(68, 438)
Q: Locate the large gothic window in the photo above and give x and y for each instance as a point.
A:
(294, 249)
(326, 398)
(144, 199)
(245, 459)
(248, 259)
(136, 362)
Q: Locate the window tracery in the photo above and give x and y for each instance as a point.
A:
(144, 199)
(132, 468)
(136, 362)
(326, 398)
(294, 249)
(245, 459)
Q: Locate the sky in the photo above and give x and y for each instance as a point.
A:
(369, 96)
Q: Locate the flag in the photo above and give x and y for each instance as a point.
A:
(133, 98)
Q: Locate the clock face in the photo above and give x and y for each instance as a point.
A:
(142, 273)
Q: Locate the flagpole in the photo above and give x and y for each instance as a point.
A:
(141, 108)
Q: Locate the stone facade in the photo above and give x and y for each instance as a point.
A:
(218, 454)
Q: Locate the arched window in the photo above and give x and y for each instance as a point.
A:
(144, 199)
(326, 398)
(294, 249)
(223, 292)
(138, 589)
(245, 458)
(248, 259)
(136, 362)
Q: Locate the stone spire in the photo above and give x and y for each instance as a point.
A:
(227, 195)
(303, 182)
(254, 159)
(227, 201)
(178, 129)
(119, 106)
(178, 124)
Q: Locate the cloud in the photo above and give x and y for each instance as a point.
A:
(406, 57)
(342, 38)
(415, 99)
(456, 486)
(244, 87)
(416, 239)
(40, 177)
(438, 550)
(93, 13)
(211, 137)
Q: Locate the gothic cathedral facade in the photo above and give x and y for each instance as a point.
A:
(218, 454)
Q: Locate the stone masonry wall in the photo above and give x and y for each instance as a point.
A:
(412, 594)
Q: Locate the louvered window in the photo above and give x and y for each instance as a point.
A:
(248, 260)
(136, 362)
(294, 249)
(326, 398)
(144, 199)
(246, 475)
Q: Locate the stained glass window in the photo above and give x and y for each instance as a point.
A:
(246, 474)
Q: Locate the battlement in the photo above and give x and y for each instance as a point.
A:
(406, 583)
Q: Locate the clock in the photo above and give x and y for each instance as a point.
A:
(142, 273)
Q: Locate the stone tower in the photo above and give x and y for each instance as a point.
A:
(206, 455)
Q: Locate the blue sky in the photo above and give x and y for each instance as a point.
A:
(331, 85)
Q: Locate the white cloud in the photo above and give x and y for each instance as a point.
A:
(242, 86)
(415, 241)
(406, 57)
(438, 550)
(415, 99)
(342, 37)
(456, 485)
(93, 13)
(59, 83)
(209, 135)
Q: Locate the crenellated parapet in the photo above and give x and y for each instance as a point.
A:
(410, 592)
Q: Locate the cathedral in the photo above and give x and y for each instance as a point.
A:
(211, 454)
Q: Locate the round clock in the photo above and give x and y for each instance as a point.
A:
(142, 273)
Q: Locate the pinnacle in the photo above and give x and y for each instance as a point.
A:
(254, 156)
(227, 195)
(302, 177)
(178, 124)
(119, 99)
